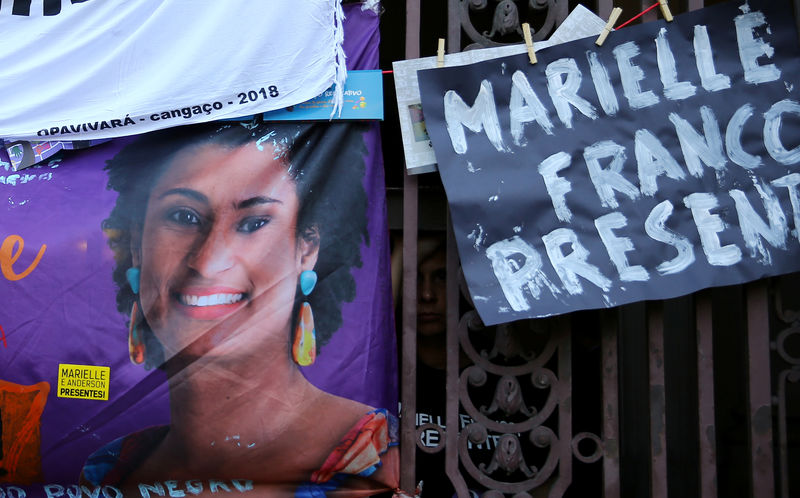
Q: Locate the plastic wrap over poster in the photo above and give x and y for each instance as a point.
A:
(92, 69)
(199, 311)
(663, 162)
(360, 44)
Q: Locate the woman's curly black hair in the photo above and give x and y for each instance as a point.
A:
(326, 162)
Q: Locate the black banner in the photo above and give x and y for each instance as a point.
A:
(663, 162)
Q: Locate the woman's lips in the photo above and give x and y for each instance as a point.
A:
(429, 317)
(210, 300)
(209, 303)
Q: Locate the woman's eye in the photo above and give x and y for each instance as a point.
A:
(184, 217)
(250, 225)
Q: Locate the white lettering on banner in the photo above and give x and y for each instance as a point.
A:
(194, 487)
(564, 77)
(606, 181)
(481, 116)
(563, 81)
(695, 147)
(754, 228)
(684, 178)
(751, 48)
(653, 160)
(518, 267)
(557, 187)
(655, 227)
(708, 226)
(602, 85)
(733, 139)
(75, 491)
(630, 76)
(772, 132)
(524, 107)
(569, 266)
(673, 89)
(12, 492)
(704, 60)
(618, 246)
(791, 182)
(514, 276)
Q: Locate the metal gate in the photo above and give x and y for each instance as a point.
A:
(695, 396)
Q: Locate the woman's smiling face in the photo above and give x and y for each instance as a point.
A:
(219, 252)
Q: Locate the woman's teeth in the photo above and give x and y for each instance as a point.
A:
(211, 300)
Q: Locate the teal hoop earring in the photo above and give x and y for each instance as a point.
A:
(132, 274)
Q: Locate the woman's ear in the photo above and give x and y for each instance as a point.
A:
(308, 248)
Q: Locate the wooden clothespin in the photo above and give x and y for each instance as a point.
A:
(612, 20)
(526, 33)
(440, 53)
(665, 10)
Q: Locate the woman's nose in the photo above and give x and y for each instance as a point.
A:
(425, 291)
(214, 254)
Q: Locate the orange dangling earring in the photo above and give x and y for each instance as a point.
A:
(304, 349)
(136, 346)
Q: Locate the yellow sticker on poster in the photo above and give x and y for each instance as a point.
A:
(83, 381)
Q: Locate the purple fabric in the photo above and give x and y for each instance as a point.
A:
(361, 37)
(354, 379)
(64, 311)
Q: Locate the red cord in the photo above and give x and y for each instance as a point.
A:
(637, 16)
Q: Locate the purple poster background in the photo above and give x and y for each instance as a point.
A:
(64, 311)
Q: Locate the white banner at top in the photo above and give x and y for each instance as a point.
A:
(91, 69)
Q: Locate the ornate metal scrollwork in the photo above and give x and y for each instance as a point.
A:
(508, 457)
(506, 19)
(519, 395)
(503, 19)
(508, 398)
(515, 388)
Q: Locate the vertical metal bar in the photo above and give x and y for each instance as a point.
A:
(705, 395)
(408, 375)
(453, 27)
(796, 4)
(408, 378)
(696, 4)
(412, 28)
(650, 16)
(604, 8)
(610, 434)
(759, 389)
(564, 387)
(451, 415)
(783, 449)
(658, 430)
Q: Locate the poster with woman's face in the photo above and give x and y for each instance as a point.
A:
(199, 311)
